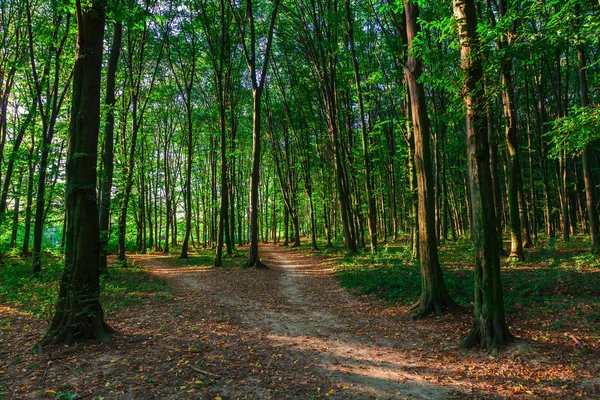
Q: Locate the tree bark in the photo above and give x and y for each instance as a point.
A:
(108, 152)
(489, 328)
(434, 294)
(372, 210)
(586, 159)
(79, 313)
(512, 144)
(258, 82)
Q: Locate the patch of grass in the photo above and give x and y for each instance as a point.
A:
(125, 285)
(198, 260)
(392, 275)
(203, 258)
(130, 286)
(37, 295)
(557, 284)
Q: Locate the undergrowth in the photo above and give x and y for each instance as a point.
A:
(556, 278)
(123, 286)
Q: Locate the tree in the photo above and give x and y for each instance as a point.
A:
(139, 90)
(512, 144)
(183, 52)
(11, 58)
(247, 31)
(220, 50)
(489, 328)
(434, 294)
(51, 87)
(372, 211)
(79, 313)
(586, 155)
(108, 146)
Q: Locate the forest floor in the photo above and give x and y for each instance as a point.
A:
(288, 332)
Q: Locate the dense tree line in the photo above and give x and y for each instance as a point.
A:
(224, 123)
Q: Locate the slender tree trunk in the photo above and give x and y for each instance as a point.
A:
(14, 156)
(126, 195)
(253, 259)
(372, 210)
(108, 151)
(15, 219)
(224, 211)
(40, 204)
(188, 178)
(258, 83)
(586, 160)
(512, 144)
(28, 211)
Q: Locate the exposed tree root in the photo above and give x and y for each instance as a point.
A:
(490, 338)
(69, 332)
(428, 305)
(255, 264)
(516, 256)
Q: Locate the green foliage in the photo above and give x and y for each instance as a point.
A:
(391, 275)
(37, 295)
(67, 395)
(559, 284)
(574, 131)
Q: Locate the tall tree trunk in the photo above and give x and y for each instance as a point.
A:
(126, 193)
(54, 97)
(489, 328)
(40, 205)
(15, 220)
(512, 144)
(586, 159)
(541, 123)
(14, 156)
(372, 210)
(434, 294)
(258, 83)
(253, 258)
(188, 178)
(79, 314)
(108, 152)
(224, 210)
(28, 211)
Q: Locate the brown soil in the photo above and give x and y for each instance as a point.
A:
(288, 332)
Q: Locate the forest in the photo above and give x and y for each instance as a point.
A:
(201, 177)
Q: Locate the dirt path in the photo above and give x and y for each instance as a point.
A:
(288, 332)
(298, 308)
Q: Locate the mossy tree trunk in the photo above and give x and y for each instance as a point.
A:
(78, 311)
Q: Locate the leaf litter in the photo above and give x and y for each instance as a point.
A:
(289, 332)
